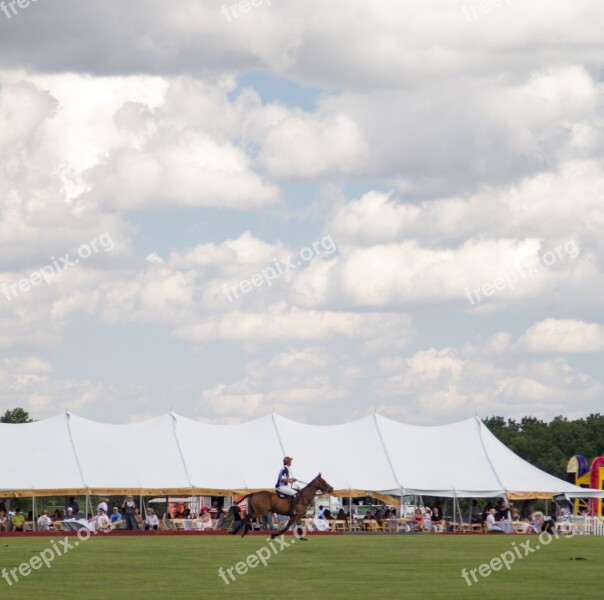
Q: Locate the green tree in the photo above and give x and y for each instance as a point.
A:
(16, 415)
(549, 446)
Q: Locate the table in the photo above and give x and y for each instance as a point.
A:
(506, 526)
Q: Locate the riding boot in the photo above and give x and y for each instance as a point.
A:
(292, 505)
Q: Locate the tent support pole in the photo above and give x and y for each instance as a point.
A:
(33, 511)
(350, 517)
(455, 502)
(455, 509)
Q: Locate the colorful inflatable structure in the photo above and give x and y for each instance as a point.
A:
(580, 474)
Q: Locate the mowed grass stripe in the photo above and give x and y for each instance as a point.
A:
(410, 566)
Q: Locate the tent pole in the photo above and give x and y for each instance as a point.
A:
(454, 514)
(350, 517)
(33, 511)
(456, 508)
(455, 501)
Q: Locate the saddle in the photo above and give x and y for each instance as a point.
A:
(282, 496)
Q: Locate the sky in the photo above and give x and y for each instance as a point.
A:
(324, 209)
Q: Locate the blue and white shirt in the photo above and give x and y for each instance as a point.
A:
(283, 474)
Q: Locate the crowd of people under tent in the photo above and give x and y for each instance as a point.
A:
(127, 515)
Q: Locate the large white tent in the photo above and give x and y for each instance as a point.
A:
(172, 454)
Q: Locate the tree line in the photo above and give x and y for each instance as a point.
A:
(550, 445)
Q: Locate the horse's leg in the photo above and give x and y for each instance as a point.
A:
(300, 530)
(248, 517)
(246, 524)
(292, 519)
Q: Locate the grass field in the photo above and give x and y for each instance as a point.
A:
(397, 566)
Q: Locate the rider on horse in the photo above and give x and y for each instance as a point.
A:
(284, 482)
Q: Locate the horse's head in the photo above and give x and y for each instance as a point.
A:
(322, 484)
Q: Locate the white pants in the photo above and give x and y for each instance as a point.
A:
(321, 525)
(287, 491)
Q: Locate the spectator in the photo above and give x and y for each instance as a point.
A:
(536, 525)
(116, 515)
(491, 523)
(138, 517)
(486, 511)
(526, 511)
(504, 512)
(75, 508)
(102, 522)
(428, 518)
(3, 522)
(206, 519)
(151, 522)
(437, 518)
(69, 516)
(44, 522)
(103, 505)
(221, 517)
(128, 507)
(238, 521)
(475, 516)
(267, 521)
(320, 522)
(515, 515)
(342, 516)
(18, 520)
(187, 514)
(321, 525)
(418, 520)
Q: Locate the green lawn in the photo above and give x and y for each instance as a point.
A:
(383, 566)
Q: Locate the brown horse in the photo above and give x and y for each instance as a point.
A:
(259, 503)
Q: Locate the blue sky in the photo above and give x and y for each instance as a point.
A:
(441, 156)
